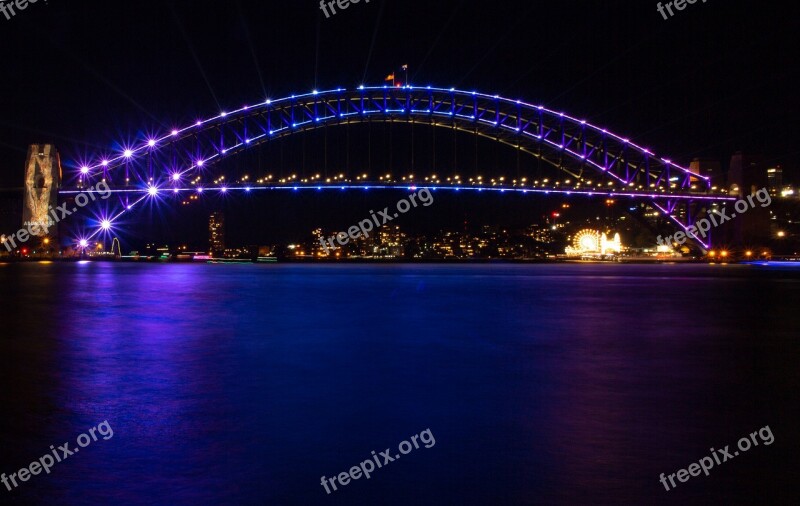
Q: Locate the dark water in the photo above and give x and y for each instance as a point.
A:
(543, 384)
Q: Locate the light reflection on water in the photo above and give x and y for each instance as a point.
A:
(543, 384)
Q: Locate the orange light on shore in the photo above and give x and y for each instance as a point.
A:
(712, 253)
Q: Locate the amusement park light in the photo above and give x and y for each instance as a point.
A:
(105, 224)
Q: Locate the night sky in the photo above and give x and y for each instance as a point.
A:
(88, 75)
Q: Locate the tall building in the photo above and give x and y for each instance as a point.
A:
(216, 232)
(746, 175)
(709, 168)
(42, 180)
(775, 180)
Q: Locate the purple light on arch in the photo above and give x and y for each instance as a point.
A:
(84, 170)
(83, 243)
(176, 177)
(151, 143)
(200, 163)
(174, 133)
(104, 163)
(127, 153)
(105, 225)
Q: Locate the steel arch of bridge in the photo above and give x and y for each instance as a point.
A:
(574, 146)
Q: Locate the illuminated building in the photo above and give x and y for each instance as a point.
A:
(216, 232)
(775, 180)
(709, 168)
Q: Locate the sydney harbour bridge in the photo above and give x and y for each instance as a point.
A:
(586, 159)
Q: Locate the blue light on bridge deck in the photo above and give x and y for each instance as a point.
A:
(779, 263)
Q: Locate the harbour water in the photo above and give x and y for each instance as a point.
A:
(542, 384)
